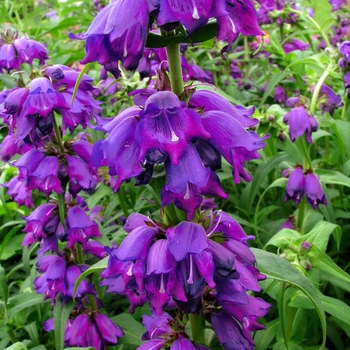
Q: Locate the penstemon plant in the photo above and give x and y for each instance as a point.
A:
(112, 171)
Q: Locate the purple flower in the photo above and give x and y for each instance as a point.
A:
(336, 4)
(280, 96)
(300, 122)
(229, 332)
(296, 185)
(8, 58)
(96, 330)
(295, 44)
(178, 263)
(52, 280)
(15, 50)
(345, 50)
(313, 191)
(42, 98)
(39, 224)
(167, 126)
(19, 192)
(289, 224)
(160, 332)
(39, 171)
(80, 228)
(241, 18)
(332, 102)
(9, 148)
(28, 50)
(109, 40)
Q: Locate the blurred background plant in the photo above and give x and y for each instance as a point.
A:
(297, 71)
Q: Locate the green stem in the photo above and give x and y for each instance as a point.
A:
(121, 197)
(80, 260)
(197, 327)
(62, 207)
(315, 24)
(282, 313)
(318, 89)
(11, 334)
(343, 109)
(304, 149)
(174, 61)
(79, 255)
(301, 213)
(58, 135)
(246, 56)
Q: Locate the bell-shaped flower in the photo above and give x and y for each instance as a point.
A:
(313, 191)
(119, 150)
(300, 123)
(19, 192)
(229, 332)
(95, 330)
(37, 223)
(191, 197)
(52, 281)
(247, 314)
(233, 141)
(118, 33)
(43, 98)
(296, 185)
(167, 125)
(80, 227)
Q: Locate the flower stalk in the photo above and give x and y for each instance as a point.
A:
(174, 61)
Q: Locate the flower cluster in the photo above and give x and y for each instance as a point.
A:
(88, 329)
(30, 110)
(299, 120)
(109, 41)
(188, 140)
(308, 183)
(16, 50)
(203, 266)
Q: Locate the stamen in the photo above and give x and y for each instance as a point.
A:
(174, 137)
(187, 194)
(161, 289)
(217, 224)
(190, 277)
(195, 14)
(129, 273)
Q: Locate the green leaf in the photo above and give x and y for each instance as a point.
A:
(336, 308)
(264, 338)
(60, 316)
(77, 83)
(321, 261)
(17, 346)
(156, 41)
(21, 302)
(99, 266)
(283, 238)
(100, 193)
(333, 177)
(322, 10)
(313, 62)
(205, 33)
(277, 268)
(320, 234)
(264, 168)
(133, 330)
(332, 306)
(3, 285)
(276, 78)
